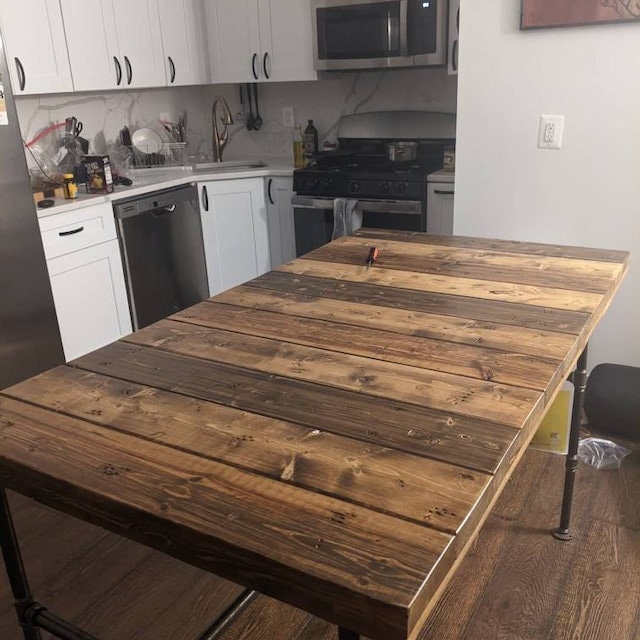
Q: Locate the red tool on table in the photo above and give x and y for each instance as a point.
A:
(373, 256)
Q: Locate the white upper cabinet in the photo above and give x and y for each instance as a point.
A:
(35, 46)
(90, 27)
(114, 44)
(259, 40)
(181, 22)
(286, 39)
(140, 42)
(232, 40)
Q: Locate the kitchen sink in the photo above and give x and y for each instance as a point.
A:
(231, 165)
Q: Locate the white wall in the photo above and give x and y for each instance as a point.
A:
(588, 193)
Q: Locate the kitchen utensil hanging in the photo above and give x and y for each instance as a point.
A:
(247, 107)
(257, 125)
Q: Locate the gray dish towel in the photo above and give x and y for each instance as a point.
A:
(347, 217)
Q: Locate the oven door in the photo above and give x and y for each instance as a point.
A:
(313, 218)
(360, 34)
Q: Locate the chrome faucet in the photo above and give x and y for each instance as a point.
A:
(220, 140)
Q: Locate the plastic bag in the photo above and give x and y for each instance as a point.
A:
(601, 454)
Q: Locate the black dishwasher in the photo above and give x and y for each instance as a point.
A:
(162, 248)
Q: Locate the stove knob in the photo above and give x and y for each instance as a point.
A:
(354, 187)
(312, 183)
(385, 187)
(325, 184)
(401, 187)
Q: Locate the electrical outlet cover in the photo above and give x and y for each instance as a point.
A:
(551, 132)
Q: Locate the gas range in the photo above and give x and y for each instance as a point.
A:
(365, 177)
(390, 195)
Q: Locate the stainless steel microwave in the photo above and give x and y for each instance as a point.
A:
(370, 34)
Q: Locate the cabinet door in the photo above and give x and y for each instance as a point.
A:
(181, 22)
(140, 42)
(90, 298)
(93, 45)
(440, 199)
(235, 230)
(233, 39)
(282, 236)
(286, 40)
(35, 46)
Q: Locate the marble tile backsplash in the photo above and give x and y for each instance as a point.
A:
(324, 101)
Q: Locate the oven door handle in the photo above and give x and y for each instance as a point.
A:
(411, 207)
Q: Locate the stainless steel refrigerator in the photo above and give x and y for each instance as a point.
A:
(29, 335)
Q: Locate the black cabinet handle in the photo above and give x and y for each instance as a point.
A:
(264, 65)
(22, 78)
(118, 71)
(253, 65)
(205, 198)
(173, 69)
(129, 70)
(70, 233)
(443, 193)
(269, 185)
(454, 56)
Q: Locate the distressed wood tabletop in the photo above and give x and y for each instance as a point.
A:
(330, 435)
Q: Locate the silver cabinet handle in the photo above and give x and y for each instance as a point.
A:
(173, 69)
(264, 64)
(253, 65)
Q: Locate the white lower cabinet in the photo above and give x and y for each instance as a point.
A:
(282, 236)
(235, 231)
(87, 278)
(440, 197)
(90, 297)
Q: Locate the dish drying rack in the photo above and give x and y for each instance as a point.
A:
(171, 154)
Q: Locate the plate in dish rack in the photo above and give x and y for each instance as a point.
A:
(147, 140)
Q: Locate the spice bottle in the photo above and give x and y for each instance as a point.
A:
(70, 186)
(310, 141)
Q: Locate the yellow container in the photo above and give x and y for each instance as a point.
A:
(553, 432)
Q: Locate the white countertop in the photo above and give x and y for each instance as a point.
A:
(146, 180)
(442, 176)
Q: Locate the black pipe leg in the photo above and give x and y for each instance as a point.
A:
(23, 599)
(345, 634)
(579, 380)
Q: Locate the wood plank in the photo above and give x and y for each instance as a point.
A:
(340, 561)
(476, 444)
(511, 368)
(476, 398)
(474, 309)
(532, 342)
(537, 271)
(508, 246)
(426, 491)
(546, 297)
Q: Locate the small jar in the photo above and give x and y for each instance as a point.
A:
(70, 186)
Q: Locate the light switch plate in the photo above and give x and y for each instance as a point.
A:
(288, 117)
(551, 132)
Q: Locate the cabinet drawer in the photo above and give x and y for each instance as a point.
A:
(64, 233)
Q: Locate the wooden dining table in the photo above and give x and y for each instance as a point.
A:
(331, 434)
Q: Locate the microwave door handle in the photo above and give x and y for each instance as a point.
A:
(404, 28)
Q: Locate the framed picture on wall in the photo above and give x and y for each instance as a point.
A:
(540, 14)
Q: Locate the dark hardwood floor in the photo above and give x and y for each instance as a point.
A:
(516, 583)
